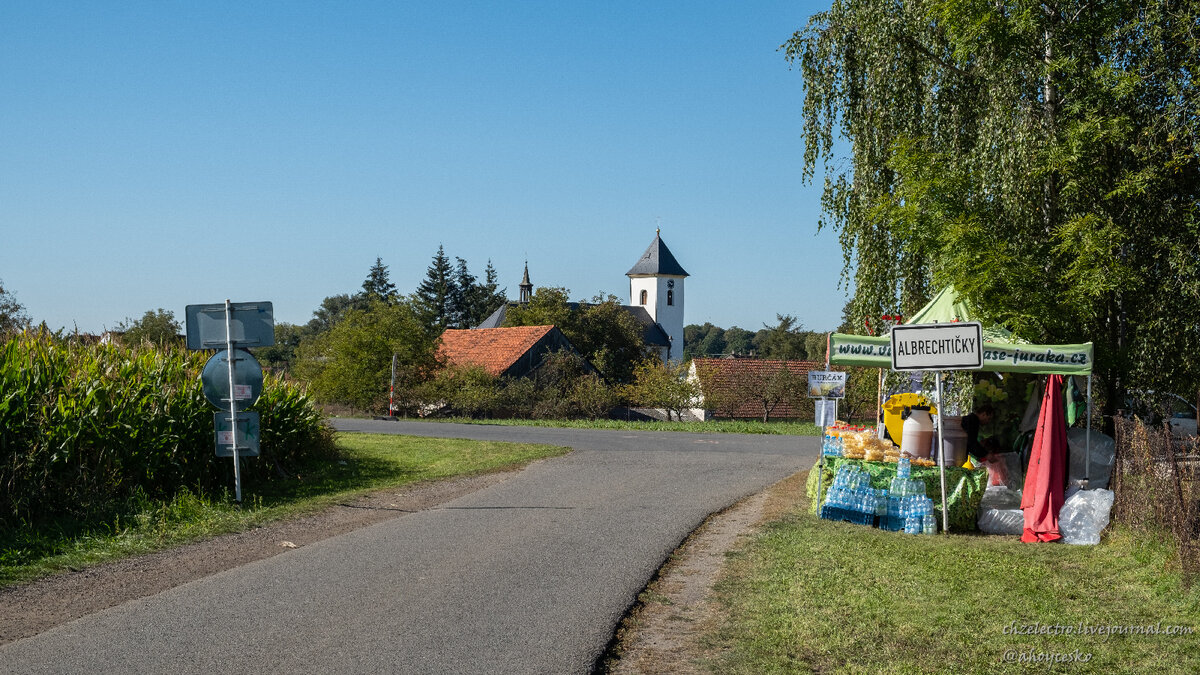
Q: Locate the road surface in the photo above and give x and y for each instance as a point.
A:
(528, 576)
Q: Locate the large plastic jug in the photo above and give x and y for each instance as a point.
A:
(954, 441)
(918, 433)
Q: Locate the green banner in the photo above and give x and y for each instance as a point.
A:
(876, 352)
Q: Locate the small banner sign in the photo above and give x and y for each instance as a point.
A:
(826, 384)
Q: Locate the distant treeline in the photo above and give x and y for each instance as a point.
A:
(787, 339)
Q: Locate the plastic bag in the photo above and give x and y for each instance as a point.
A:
(1103, 449)
(997, 472)
(1000, 497)
(1084, 515)
(1002, 521)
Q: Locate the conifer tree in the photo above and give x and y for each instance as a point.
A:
(475, 301)
(436, 295)
(378, 285)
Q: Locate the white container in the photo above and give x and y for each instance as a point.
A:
(917, 440)
(954, 441)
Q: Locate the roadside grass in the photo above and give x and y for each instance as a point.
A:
(368, 462)
(809, 595)
(710, 427)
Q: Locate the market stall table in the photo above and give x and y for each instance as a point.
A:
(964, 487)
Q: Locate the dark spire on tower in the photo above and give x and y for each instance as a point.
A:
(526, 286)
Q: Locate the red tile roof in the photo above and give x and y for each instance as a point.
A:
(720, 377)
(493, 349)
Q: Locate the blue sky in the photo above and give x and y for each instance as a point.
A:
(159, 154)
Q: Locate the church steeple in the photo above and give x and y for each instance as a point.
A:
(526, 286)
(657, 260)
(656, 285)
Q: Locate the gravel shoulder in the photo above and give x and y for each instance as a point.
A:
(29, 609)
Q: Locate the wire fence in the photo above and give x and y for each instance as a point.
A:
(1156, 481)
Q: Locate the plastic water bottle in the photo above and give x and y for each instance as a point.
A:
(917, 487)
(930, 524)
(903, 468)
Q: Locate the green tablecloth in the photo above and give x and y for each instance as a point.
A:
(964, 487)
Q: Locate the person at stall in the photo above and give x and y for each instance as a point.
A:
(971, 424)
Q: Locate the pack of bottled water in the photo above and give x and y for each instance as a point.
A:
(851, 497)
(903, 506)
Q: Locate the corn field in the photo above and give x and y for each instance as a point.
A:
(1156, 479)
(85, 426)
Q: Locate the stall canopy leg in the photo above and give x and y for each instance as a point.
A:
(1087, 456)
(941, 450)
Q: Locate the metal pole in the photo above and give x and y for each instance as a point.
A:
(941, 459)
(229, 358)
(392, 391)
(878, 406)
(1087, 457)
(821, 458)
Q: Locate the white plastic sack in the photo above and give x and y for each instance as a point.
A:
(1084, 515)
(1103, 449)
(1001, 521)
(1000, 497)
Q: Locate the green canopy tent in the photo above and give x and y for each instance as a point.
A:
(1002, 351)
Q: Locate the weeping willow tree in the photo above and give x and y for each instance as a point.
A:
(1040, 156)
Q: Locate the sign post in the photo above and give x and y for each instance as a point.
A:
(232, 325)
(392, 390)
(826, 387)
(938, 347)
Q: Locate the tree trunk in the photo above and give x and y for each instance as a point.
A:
(1049, 118)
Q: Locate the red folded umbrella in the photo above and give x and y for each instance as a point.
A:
(1043, 494)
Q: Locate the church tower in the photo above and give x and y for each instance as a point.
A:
(656, 284)
(526, 286)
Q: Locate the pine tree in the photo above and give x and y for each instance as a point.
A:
(465, 296)
(378, 285)
(475, 301)
(491, 296)
(435, 296)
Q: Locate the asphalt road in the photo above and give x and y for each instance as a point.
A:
(528, 576)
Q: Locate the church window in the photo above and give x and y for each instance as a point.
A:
(643, 297)
(670, 297)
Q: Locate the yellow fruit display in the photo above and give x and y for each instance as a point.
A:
(865, 445)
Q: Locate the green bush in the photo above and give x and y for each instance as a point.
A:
(563, 387)
(83, 427)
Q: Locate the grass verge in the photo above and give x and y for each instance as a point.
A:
(711, 427)
(368, 462)
(808, 595)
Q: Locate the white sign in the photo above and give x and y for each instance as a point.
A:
(826, 384)
(826, 410)
(242, 392)
(938, 346)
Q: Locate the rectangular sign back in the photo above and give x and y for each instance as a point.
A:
(252, 325)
